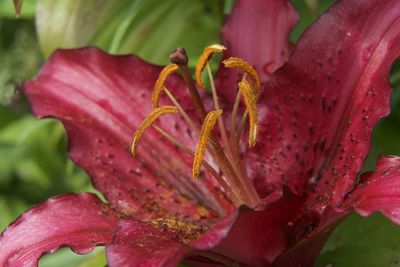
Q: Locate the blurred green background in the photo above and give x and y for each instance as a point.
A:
(33, 159)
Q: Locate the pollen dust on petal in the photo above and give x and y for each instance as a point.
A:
(183, 232)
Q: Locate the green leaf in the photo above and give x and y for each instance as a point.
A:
(10, 208)
(72, 23)
(19, 58)
(98, 259)
(6, 116)
(151, 28)
(359, 242)
(66, 258)
(9, 156)
(158, 29)
(360, 256)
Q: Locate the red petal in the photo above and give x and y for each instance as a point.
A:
(101, 100)
(257, 238)
(161, 244)
(141, 244)
(258, 32)
(322, 105)
(77, 221)
(216, 233)
(286, 233)
(306, 251)
(379, 190)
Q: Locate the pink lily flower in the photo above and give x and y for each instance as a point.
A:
(273, 204)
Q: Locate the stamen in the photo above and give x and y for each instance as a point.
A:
(235, 110)
(158, 87)
(192, 153)
(204, 58)
(232, 175)
(147, 122)
(235, 62)
(221, 124)
(205, 132)
(250, 100)
(234, 132)
(185, 116)
(213, 172)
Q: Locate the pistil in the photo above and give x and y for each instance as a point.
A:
(180, 58)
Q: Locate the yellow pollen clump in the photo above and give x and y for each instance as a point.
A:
(205, 132)
(204, 58)
(147, 122)
(238, 63)
(185, 231)
(158, 87)
(250, 101)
